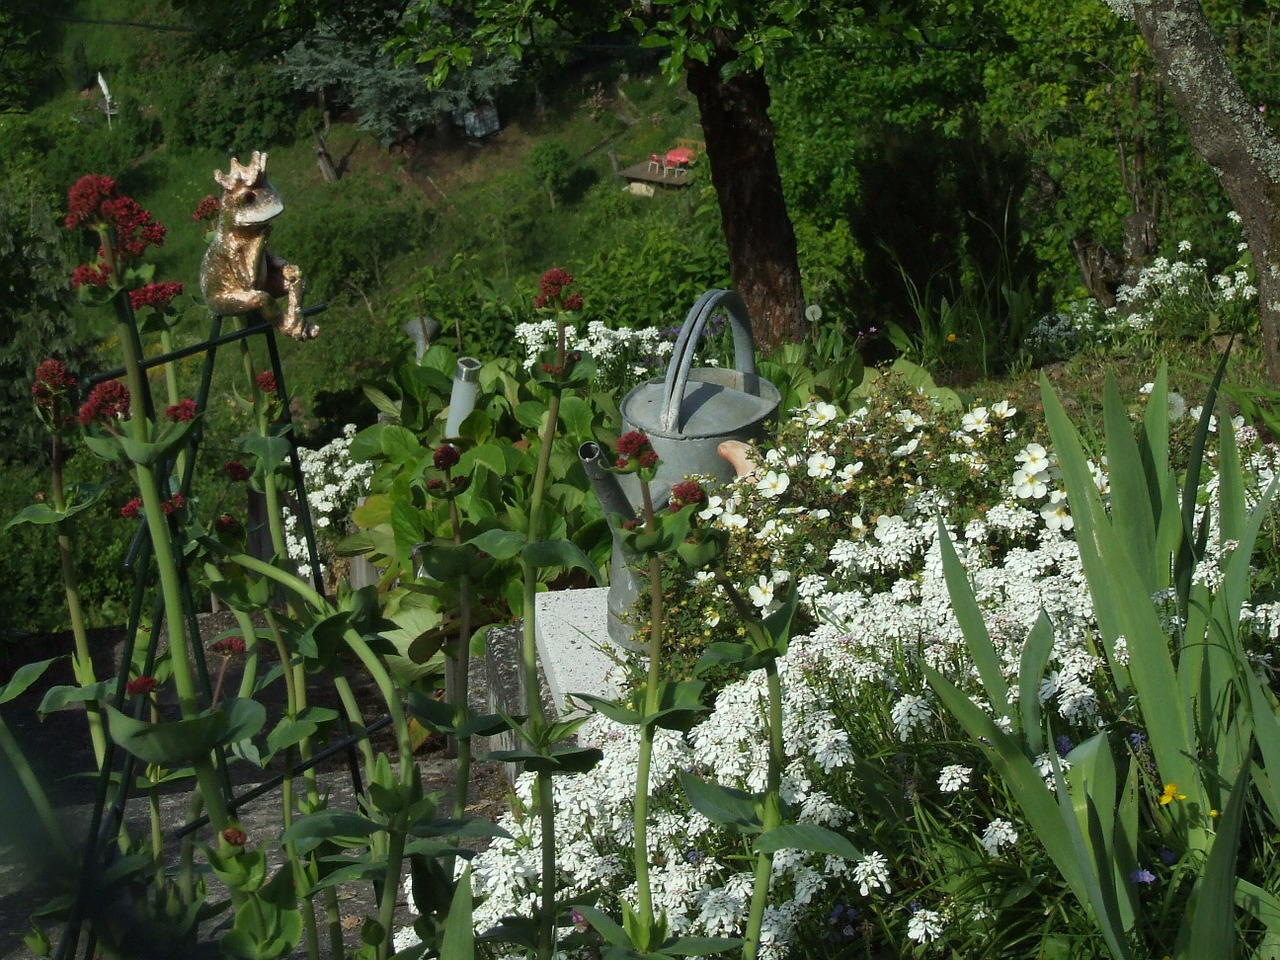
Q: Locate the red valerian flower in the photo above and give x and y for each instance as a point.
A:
(555, 286)
(208, 208)
(140, 686)
(134, 228)
(84, 202)
(132, 510)
(95, 275)
(446, 456)
(235, 471)
(634, 449)
(266, 381)
(52, 380)
(226, 524)
(235, 837)
(181, 412)
(109, 400)
(157, 295)
(173, 504)
(228, 646)
(686, 493)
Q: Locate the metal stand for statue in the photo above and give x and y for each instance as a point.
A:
(239, 277)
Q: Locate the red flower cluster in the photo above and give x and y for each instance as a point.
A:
(94, 203)
(226, 524)
(687, 493)
(157, 295)
(266, 381)
(235, 471)
(235, 837)
(181, 412)
(135, 230)
(52, 380)
(94, 275)
(174, 503)
(132, 510)
(140, 686)
(634, 449)
(445, 457)
(228, 646)
(555, 286)
(85, 201)
(109, 400)
(208, 208)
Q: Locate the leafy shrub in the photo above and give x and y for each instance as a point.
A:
(345, 237)
(215, 103)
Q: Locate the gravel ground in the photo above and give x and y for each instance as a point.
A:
(58, 748)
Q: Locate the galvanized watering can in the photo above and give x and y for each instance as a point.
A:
(687, 415)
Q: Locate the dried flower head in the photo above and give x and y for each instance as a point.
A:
(266, 381)
(235, 471)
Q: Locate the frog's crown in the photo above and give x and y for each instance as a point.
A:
(241, 175)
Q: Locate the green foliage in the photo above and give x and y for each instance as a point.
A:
(35, 324)
(345, 238)
(551, 166)
(215, 102)
(34, 598)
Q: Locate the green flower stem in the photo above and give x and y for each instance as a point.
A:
(462, 680)
(771, 815)
(39, 799)
(82, 661)
(166, 564)
(397, 832)
(171, 390)
(651, 699)
(533, 696)
(295, 703)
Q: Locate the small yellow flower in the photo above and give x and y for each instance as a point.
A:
(1170, 794)
(1214, 814)
(951, 338)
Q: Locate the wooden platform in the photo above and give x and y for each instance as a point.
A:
(642, 173)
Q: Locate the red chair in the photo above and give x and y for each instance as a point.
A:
(655, 163)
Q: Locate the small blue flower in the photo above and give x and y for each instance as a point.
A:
(1167, 856)
(1142, 875)
(1063, 745)
(1137, 740)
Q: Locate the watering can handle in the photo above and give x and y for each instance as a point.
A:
(744, 348)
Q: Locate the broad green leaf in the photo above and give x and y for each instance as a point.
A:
(1130, 499)
(1210, 927)
(499, 544)
(972, 625)
(23, 677)
(726, 806)
(806, 836)
(340, 827)
(459, 939)
(185, 741)
(1035, 657)
(56, 698)
(560, 553)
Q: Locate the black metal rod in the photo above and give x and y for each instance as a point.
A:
(268, 785)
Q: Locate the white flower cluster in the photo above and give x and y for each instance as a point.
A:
(882, 607)
(335, 483)
(622, 357)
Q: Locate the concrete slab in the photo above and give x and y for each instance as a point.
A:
(574, 645)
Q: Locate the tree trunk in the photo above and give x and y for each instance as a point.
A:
(1229, 135)
(763, 262)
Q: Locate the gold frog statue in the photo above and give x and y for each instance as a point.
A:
(238, 273)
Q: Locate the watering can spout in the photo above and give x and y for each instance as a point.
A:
(605, 485)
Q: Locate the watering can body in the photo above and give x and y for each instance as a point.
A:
(687, 414)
